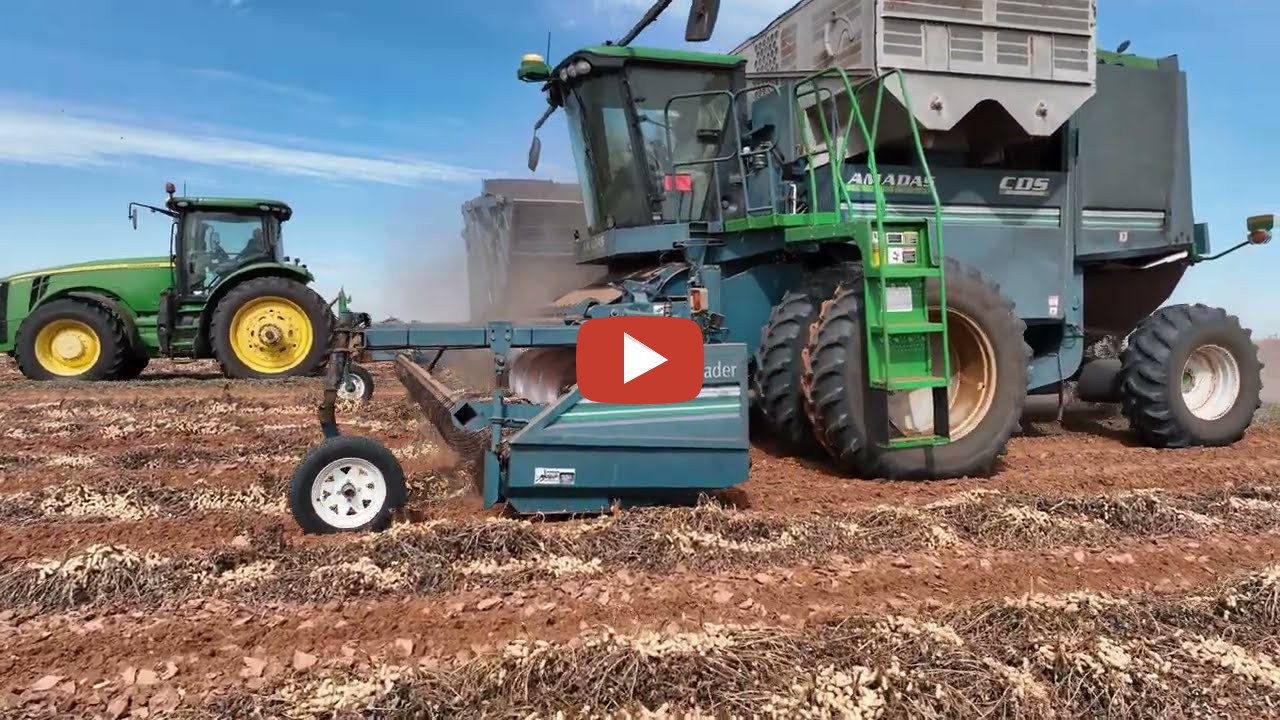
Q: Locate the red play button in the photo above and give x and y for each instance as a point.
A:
(639, 360)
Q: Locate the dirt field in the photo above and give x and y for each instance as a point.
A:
(149, 569)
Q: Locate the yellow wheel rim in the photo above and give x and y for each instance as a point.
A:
(67, 347)
(271, 334)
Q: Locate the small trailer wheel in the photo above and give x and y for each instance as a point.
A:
(346, 484)
(359, 385)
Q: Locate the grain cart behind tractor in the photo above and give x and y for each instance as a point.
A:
(226, 291)
(793, 199)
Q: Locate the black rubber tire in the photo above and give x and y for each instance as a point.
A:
(111, 338)
(133, 365)
(1151, 372)
(365, 377)
(841, 406)
(309, 300)
(335, 449)
(779, 366)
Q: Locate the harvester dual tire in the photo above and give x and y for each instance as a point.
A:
(271, 327)
(347, 484)
(361, 385)
(779, 367)
(988, 352)
(71, 339)
(1190, 376)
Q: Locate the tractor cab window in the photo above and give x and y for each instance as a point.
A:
(215, 244)
(631, 149)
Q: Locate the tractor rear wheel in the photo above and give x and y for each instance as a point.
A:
(133, 365)
(779, 365)
(989, 360)
(1190, 376)
(71, 340)
(271, 327)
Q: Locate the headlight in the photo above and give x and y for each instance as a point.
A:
(582, 66)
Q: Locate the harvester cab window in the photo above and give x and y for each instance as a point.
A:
(217, 243)
(682, 135)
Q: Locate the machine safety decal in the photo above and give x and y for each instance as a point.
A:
(897, 299)
(554, 476)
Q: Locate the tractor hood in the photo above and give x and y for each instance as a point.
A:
(139, 263)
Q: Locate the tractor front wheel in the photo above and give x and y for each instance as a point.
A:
(271, 327)
(347, 484)
(1190, 376)
(987, 392)
(70, 339)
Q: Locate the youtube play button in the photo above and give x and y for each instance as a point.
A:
(639, 360)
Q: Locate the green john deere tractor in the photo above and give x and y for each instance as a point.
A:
(226, 291)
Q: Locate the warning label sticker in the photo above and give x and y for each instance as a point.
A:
(897, 299)
(554, 476)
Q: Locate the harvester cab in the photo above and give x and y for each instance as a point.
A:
(225, 291)
(792, 198)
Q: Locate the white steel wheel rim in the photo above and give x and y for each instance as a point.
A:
(1210, 382)
(348, 493)
(357, 388)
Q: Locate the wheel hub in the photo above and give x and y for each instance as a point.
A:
(270, 335)
(69, 346)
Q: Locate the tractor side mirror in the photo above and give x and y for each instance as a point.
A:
(133, 216)
(535, 152)
(702, 20)
(1260, 227)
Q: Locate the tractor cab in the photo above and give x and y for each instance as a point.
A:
(213, 237)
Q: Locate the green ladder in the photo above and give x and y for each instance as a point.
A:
(899, 260)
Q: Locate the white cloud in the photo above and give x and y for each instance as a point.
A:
(42, 137)
(292, 91)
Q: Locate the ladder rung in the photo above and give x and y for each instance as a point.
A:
(901, 272)
(907, 328)
(917, 382)
(916, 441)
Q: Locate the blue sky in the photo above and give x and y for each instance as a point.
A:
(376, 120)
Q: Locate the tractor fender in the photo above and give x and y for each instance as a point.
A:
(248, 272)
(110, 303)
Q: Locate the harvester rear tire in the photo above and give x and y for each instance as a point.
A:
(842, 406)
(779, 367)
(81, 318)
(1188, 340)
(336, 458)
(315, 309)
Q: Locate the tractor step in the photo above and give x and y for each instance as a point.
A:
(915, 441)
(906, 382)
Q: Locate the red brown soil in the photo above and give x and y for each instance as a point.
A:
(1089, 453)
(209, 641)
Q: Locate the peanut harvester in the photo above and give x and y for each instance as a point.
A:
(792, 198)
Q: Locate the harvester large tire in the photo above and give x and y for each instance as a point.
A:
(271, 327)
(347, 484)
(779, 367)
(987, 346)
(71, 340)
(1190, 376)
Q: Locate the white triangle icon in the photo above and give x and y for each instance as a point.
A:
(637, 358)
